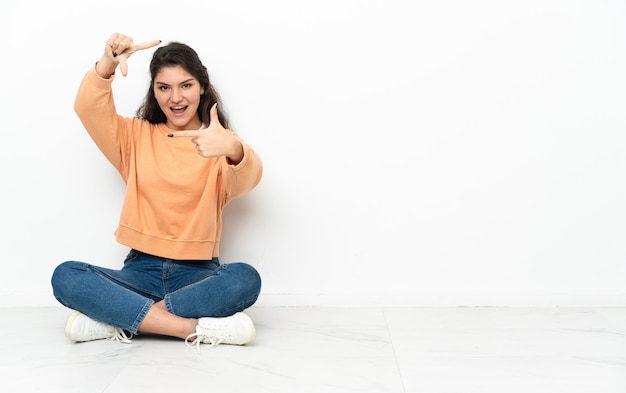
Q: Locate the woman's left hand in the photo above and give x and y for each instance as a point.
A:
(214, 141)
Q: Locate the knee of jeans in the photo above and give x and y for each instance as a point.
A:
(63, 275)
(248, 276)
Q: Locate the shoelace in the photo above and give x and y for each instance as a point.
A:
(200, 339)
(120, 335)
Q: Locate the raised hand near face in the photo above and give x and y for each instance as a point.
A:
(118, 49)
(214, 141)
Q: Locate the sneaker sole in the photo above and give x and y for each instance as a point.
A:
(69, 323)
(247, 321)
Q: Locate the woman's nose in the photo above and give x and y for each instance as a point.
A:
(176, 96)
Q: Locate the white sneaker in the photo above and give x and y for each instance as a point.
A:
(80, 327)
(237, 329)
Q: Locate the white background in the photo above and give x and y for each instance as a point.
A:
(416, 152)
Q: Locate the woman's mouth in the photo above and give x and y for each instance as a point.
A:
(178, 110)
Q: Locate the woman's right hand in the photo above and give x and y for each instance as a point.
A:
(118, 49)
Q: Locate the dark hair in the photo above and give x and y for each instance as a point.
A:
(178, 54)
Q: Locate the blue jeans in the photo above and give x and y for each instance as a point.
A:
(190, 289)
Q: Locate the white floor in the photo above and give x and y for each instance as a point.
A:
(421, 350)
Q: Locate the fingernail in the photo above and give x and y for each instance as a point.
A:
(170, 135)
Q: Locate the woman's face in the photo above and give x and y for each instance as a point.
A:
(178, 94)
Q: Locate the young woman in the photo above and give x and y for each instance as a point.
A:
(181, 164)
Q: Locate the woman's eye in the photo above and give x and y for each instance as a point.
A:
(187, 85)
(163, 88)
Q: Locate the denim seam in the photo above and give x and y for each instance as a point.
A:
(168, 303)
(124, 283)
(142, 315)
(241, 306)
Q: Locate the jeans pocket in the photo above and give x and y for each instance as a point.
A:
(132, 255)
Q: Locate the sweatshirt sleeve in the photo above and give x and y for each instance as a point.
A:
(95, 108)
(245, 175)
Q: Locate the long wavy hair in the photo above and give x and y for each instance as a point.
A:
(179, 54)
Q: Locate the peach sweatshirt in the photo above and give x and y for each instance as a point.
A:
(174, 197)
